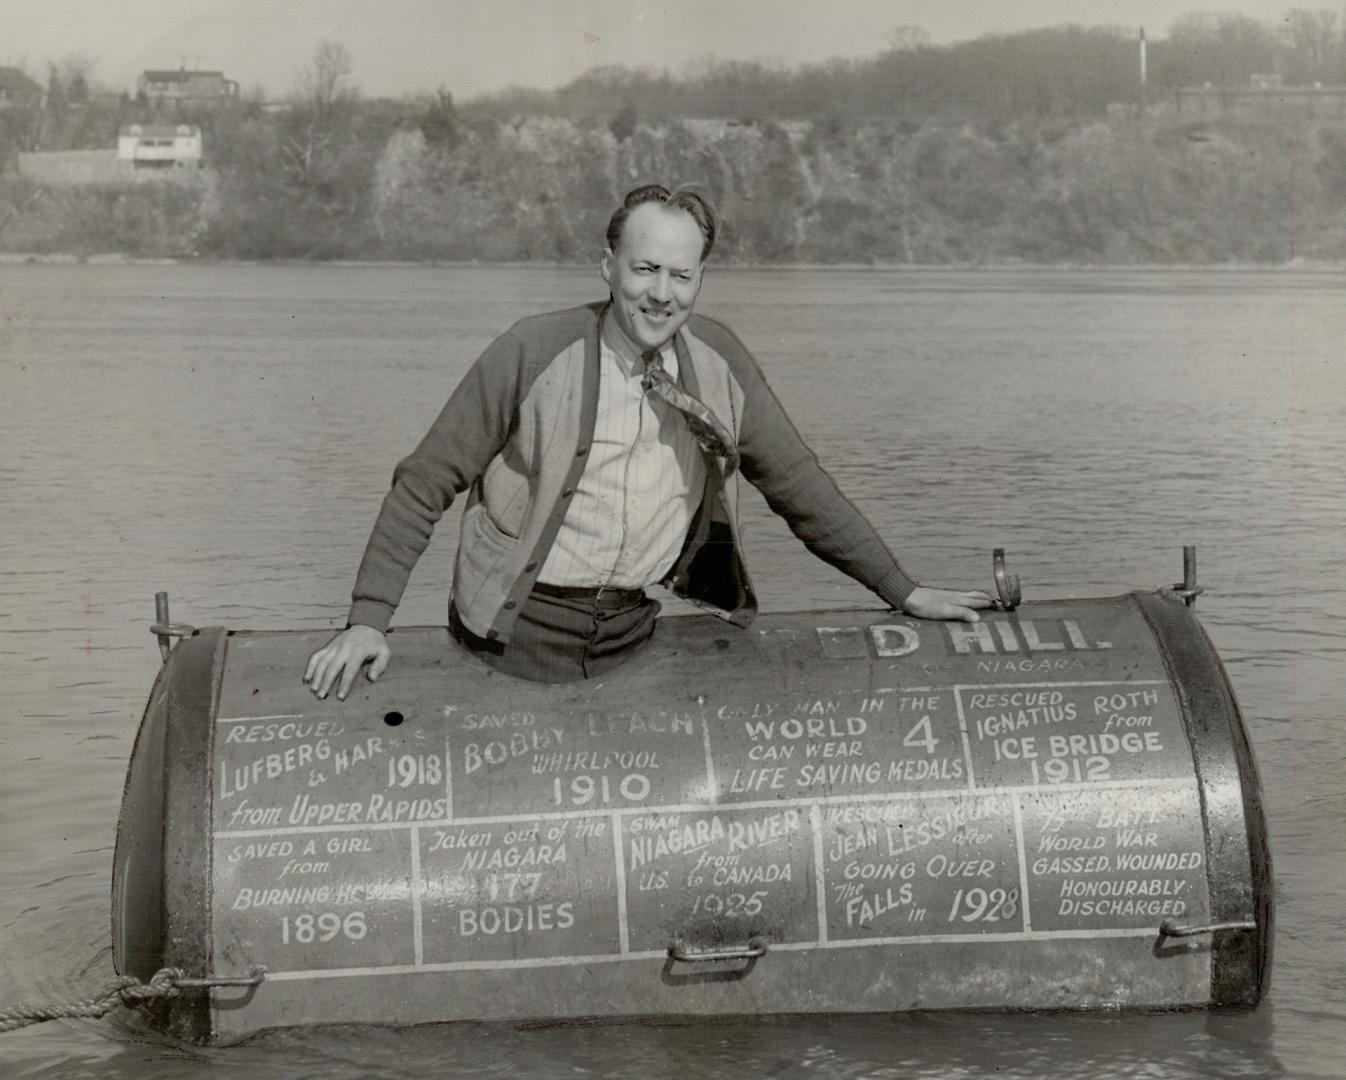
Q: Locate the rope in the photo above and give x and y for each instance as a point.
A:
(126, 990)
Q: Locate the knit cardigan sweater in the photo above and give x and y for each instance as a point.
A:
(515, 435)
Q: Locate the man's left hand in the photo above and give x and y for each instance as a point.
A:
(924, 603)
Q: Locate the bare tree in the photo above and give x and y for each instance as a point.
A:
(77, 74)
(908, 37)
(319, 130)
(324, 84)
(1223, 48)
(1313, 40)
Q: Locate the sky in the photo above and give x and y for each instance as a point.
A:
(476, 46)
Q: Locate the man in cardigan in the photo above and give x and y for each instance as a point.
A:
(601, 448)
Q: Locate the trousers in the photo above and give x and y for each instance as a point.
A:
(565, 638)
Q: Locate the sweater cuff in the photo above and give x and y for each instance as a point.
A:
(370, 613)
(894, 588)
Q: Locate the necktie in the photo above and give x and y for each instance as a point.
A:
(705, 426)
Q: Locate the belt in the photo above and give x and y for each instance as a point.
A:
(603, 596)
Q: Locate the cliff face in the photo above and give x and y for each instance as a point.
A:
(1114, 191)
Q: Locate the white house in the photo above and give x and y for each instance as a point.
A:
(160, 146)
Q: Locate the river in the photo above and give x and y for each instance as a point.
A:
(226, 433)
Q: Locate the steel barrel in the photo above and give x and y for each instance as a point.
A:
(1056, 807)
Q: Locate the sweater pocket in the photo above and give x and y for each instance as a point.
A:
(484, 565)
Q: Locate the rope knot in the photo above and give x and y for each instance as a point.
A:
(163, 983)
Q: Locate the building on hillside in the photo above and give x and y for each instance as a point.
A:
(183, 87)
(17, 90)
(160, 146)
(1265, 96)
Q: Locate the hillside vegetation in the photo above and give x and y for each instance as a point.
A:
(1028, 147)
(1104, 191)
(1118, 190)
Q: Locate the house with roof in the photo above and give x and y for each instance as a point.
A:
(160, 146)
(183, 87)
(18, 91)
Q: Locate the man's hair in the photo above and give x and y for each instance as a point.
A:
(681, 198)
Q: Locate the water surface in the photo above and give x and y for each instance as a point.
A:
(226, 433)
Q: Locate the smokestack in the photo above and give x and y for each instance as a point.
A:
(1142, 69)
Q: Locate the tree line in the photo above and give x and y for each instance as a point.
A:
(1065, 70)
(882, 162)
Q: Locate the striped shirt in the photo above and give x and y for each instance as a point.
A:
(642, 482)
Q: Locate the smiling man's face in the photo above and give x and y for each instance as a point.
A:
(655, 273)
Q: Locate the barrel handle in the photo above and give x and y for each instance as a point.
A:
(751, 951)
(1187, 590)
(163, 629)
(255, 978)
(1006, 585)
(1168, 928)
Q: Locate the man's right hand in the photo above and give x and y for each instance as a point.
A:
(341, 658)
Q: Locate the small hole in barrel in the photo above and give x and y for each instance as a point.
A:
(392, 719)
